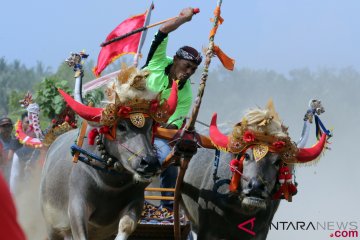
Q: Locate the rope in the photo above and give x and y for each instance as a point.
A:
(91, 156)
(129, 150)
(245, 178)
(135, 155)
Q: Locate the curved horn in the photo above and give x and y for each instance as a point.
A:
(173, 98)
(216, 136)
(308, 154)
(89, 113)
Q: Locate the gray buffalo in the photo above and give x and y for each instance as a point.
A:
(238, 199)
(103, 195)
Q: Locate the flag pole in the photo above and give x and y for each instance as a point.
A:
(143, 35)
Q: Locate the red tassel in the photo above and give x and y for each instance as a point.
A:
(234, 182)
(91, 136)
(277, 195)
(286, 192)
(104, 130)
(281, 193)
(287, 188)
(234, 164)
(236, 177)
(292, 189)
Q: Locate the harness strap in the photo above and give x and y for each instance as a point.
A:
(76, 149)
(219, 183)
(105, 160)
(216, 165)
(104, 169)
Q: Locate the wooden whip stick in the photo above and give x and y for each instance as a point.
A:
(195, 11)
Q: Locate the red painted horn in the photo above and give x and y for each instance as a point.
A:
(173, 98)
(216, 136)
(308, 154)
(88, 113)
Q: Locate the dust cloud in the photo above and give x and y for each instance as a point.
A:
(28, 206)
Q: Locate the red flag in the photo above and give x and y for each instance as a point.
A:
(128, 45)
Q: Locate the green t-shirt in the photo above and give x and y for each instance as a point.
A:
(159, 80)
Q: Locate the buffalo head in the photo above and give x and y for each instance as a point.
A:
(124, 126)
(263, 158)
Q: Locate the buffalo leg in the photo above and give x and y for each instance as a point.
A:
(54, 234)
(128, 221)
(203, 229)
(79, 216)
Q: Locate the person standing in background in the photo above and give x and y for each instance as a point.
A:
(9, 143)
(24, 159)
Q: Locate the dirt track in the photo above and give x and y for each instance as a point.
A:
(28, 207)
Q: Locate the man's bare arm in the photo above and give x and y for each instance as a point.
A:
(184, 16)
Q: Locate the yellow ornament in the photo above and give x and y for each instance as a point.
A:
(260, 151)
(137, 119)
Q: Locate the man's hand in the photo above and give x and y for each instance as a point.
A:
(169, 126)
(184, 16)
(187, 14)
(185, 147)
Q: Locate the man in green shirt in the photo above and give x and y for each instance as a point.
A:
(163, 71)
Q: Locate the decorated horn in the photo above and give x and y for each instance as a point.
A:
(173, 98)
(216, 136)
(88, 113)
(308, 154)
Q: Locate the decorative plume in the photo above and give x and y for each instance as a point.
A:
(130, 84)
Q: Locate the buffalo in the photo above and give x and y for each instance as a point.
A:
(238, 198)
(103, 195)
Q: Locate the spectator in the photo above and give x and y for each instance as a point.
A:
(24, 158)
(9, 143)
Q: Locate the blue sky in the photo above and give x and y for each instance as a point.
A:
(280, 35)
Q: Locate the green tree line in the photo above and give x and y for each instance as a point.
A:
(16, 80)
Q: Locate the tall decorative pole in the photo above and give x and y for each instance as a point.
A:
(190, 126)
(209, 54)
(76, 62)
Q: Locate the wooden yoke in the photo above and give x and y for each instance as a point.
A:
(173, 135)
